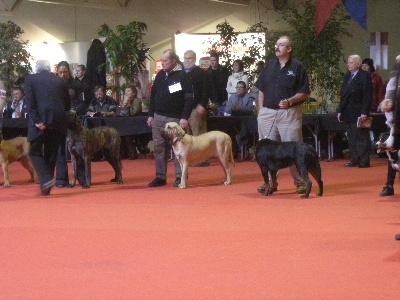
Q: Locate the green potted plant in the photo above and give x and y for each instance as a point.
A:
(321, 55)
(126, 50)
(14, 57)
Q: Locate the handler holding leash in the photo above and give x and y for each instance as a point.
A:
(283, 85)
(171, 101)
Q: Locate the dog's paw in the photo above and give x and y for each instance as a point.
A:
(120, 182)
(226, 182)
(7, 185)
(85, 186)
(304, 196)
(182, 186)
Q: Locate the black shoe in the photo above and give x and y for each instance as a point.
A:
(157, 182)
(397, 236)
(67, 185)
(177, 182)
(350, 164)
(202, 164)
(362, 166)
(133, 155)
(387, 191)
(45, 188)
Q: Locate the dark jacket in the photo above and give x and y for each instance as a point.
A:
(172, 95)
(96, 56)
(218, 81)
(356, 96)
(10, 110)
(47, 99)
(201, 86)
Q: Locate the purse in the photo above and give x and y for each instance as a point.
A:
(364, 122)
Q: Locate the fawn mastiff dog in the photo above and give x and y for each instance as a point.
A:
(190, 149)
(16, 149)
(83, 143)
(272, 156)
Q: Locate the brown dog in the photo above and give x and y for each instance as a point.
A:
(190, 149)
(16, 149)
(83, 143)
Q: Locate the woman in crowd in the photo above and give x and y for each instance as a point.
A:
(237, 75)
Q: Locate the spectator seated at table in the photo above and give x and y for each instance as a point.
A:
(130, 107)
(241, 103)
(102, 105)
(17, 107)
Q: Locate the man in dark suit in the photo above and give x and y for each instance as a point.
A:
(47, 99)
(355, 101)
(17, 107)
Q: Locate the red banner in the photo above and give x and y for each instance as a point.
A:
(323, 11)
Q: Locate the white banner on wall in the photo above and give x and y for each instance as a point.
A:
(201, 43)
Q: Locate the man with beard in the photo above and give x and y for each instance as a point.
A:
(283, 85)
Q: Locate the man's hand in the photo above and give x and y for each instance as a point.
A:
(284, 104)
(184, 124)
(200, 109)
(338, 117)
(41, 126)
(150, 121)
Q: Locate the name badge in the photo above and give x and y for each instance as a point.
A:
(175, 88)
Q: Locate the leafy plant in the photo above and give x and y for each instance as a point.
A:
(14, 58)
(321, 55)
(230, 39)
(126, 50)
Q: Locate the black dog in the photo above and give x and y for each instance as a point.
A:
(83, 143)
(272, 156)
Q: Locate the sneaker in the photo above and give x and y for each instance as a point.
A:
(301, 189)
(387, 191)
(177, 182)
(157, 182)
(45, 188)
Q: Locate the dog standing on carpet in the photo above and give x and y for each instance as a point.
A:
(385, 143)
(83, 143)
(16, 149)
(190, 149)
(272, 156)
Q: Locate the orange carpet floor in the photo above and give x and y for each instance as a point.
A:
(208, 241)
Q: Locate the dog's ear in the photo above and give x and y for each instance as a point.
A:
(179, 135)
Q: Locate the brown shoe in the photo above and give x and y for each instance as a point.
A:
(301, 189)
(261, 189)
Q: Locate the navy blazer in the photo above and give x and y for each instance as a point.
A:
(356, 96)
(47, 99)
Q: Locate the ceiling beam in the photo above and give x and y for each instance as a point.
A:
(9, 10)
(111, 4)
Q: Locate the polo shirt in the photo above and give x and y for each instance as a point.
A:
(282, 83)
